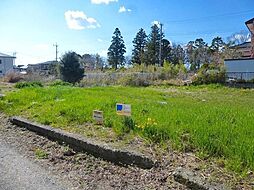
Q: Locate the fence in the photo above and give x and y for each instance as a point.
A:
(241, 75)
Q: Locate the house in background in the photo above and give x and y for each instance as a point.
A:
(41, 68)
(250, 26)
(244, 49)
(247, 48)
(6, 64)
(243, 68)
(240, 68)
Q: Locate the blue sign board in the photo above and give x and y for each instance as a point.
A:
(123, 109)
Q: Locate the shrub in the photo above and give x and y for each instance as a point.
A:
(70, 68)
(170, 71)
(28, 84)
(13, 77)
(251, 81)
(241, 81)
(134, 80)
(60, 83)
(33, 76)
(210, 73)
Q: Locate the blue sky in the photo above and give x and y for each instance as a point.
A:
(31, 27)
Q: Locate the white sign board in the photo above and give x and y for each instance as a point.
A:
(98, 116)
(123, 109)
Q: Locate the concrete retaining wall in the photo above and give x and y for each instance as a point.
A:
(79, 143)
(192, 181)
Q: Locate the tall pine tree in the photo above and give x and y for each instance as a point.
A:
(165, 50)
(139, 44)
(116, 50)
(153, 46)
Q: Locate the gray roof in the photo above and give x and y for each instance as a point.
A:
(250, 21)
(243, 45)
(6, 56)
(40, 64)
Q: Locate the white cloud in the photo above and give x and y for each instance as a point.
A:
(156, 22)
(77, 20)
(122, 9)
(99, 40)
(103, 1)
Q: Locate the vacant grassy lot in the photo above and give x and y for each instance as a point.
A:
(210, 120)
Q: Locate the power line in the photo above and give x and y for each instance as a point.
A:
(201, 33)
(211, 16)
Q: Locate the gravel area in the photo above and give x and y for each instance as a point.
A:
(84, 171)
(19, 173)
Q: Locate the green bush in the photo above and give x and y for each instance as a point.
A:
(133, 80)
(251, 81)
(28, 84)
(170, 71)
(13, 77)
(209, 74)
(60, 83)
(70, 68)
(241, 81)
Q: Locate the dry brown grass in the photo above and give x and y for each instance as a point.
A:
(13, 77)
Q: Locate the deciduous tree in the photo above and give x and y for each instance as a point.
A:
(177, 54)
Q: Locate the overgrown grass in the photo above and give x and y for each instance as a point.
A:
(210, 120)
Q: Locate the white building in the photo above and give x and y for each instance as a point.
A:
(240, 68)
(6, 64)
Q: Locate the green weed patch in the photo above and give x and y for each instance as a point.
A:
(210, 120)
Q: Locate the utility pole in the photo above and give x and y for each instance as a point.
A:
(14, 55)
(160, 53)
(56, 45)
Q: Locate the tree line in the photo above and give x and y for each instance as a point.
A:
(153, 49)
(146, 50)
